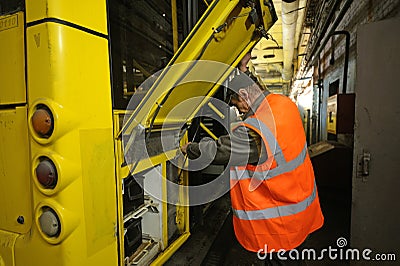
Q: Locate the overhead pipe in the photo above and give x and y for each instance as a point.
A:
(346, 57)
(338, 19)
(289, 21)
(320, 89)
(345, 73)
(323, 30)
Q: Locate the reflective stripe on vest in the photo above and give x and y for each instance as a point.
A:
(275, 212)
(240, 174)
(282, 165)
(272, 142)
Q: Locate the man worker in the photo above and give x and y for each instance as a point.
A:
(274, 196)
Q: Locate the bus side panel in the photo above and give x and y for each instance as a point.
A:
(12, 60)
(68, 71)
(90, 14)
(7, 241)
(15, 188)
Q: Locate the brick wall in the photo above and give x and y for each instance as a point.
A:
(360, 12)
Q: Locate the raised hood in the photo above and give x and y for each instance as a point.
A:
(223, 35)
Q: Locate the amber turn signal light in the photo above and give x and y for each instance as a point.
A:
(42, 121)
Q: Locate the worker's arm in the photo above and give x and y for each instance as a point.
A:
(243, 63)
(239, 148)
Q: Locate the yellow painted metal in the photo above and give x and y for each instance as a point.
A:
(68, 70)
(164, 207)
(90, 14)
(209, 132)
(174, 25)
(162, 159)
(155, 160)
(331, 114)
(268, 18)
(215, 109)
(166, 254)
(7, 242)
(15, 183)
(182, 207)
(66, 67)
(121, 172)
(227, 46)
(185, 183)
(12, 66)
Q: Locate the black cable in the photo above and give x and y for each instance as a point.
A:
(186, 156)
(294, 10)
(272, 38)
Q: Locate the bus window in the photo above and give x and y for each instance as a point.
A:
(10, 6)
(141, 44)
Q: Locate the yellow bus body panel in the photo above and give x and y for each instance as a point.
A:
(68, 71)
(7, 241)
(90, 14)
(14, 171)
(12, 66)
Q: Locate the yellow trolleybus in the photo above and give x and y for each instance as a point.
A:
(67, 194)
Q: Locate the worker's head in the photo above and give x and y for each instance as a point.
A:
(243, 91)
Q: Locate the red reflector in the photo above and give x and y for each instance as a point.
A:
(46, 173)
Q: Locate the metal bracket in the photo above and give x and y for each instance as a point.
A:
(363, 165)
(149, 205)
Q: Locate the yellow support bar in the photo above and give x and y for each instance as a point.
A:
(164, 206)
(174, 25)
(208, 131)
(155, 160)
(164, 256)
(185, 192)
(215, 109)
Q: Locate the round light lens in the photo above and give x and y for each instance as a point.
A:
(42, 121)
(46, 173)
(49, 222)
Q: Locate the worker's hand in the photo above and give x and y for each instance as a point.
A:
(243, 63)
(184, 148)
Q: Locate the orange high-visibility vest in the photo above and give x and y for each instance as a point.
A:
(275, 203)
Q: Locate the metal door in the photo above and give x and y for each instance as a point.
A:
(376, 173)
